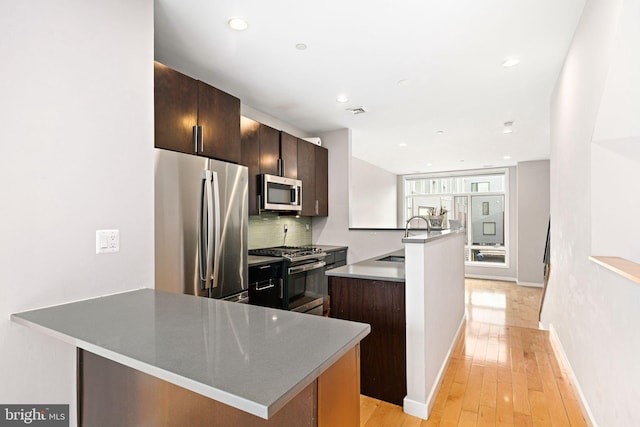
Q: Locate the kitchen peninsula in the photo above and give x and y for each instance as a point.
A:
(148, 357)
(414, 301)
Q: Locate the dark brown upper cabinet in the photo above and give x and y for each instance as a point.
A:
(307, 174)
(313, 172)
(322, 181)
(176, 109)
(194, 117)
(269, 150)
(289, 155)
(260, 153)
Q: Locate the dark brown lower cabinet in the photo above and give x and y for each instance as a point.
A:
(383, 352)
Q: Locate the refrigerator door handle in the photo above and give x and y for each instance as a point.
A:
(216, 234)
(208, 240)
(202, 255)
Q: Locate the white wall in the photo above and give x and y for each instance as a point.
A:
(533, 220)
(334, 229)
(593, 311)
(76, 155)
(615, 153)
(373, 196)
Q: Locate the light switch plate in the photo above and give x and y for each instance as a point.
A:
(107, 241)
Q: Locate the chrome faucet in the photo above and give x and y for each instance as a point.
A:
(406, 228)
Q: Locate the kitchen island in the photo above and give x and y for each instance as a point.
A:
(414, 301)
(373, 291)
(155, 358)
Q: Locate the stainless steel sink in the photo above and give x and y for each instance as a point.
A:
(392, 258)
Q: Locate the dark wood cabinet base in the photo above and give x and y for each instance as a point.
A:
(383, 352)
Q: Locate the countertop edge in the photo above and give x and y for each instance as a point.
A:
(365, 277)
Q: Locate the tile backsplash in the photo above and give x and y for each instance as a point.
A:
(267, 230)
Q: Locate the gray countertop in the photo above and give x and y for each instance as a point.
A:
(252, 358)
(373, 269)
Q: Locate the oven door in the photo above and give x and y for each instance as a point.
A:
(305, 287)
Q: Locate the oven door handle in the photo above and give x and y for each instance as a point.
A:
(307, 267)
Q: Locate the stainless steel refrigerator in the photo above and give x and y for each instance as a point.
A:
(201, 216)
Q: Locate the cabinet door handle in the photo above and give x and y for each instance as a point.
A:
(194, 135)
(317, 207)
(280, 167)
(197, 139)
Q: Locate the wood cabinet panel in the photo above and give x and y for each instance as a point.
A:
(250, 157)
(176, 109)
(322, 181)
(383, 351)
(219, 116)
(339, 392)
(269, 150)
(307, 174)
(289, 155)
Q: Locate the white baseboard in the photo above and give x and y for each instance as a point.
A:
(530, 284)
(483, 277)
(561, 355)
(420, 409)
(417, 409)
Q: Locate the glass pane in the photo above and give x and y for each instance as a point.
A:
(488, 255)
(460, 210)
(487, 220)
(483, 184)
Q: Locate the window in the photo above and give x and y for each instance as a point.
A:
(477, 200)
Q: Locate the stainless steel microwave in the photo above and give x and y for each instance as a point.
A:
(278, 193)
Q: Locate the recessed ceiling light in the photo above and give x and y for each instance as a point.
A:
(342, 99)
(439, 132)
(301, 46)
(238, 24)
(507, 157)
(510, 62)
(403, 144)
(508, 127)
(404, 82)
(429, 164)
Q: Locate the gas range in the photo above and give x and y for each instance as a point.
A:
(304, 285)
(290, 253)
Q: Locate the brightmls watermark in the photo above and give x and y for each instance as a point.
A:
(34, 415)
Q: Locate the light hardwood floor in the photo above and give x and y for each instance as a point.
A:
(503, 371)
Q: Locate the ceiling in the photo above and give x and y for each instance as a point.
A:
(449, 114)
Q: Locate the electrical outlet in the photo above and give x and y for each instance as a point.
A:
(107, 241)
(286, 228)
